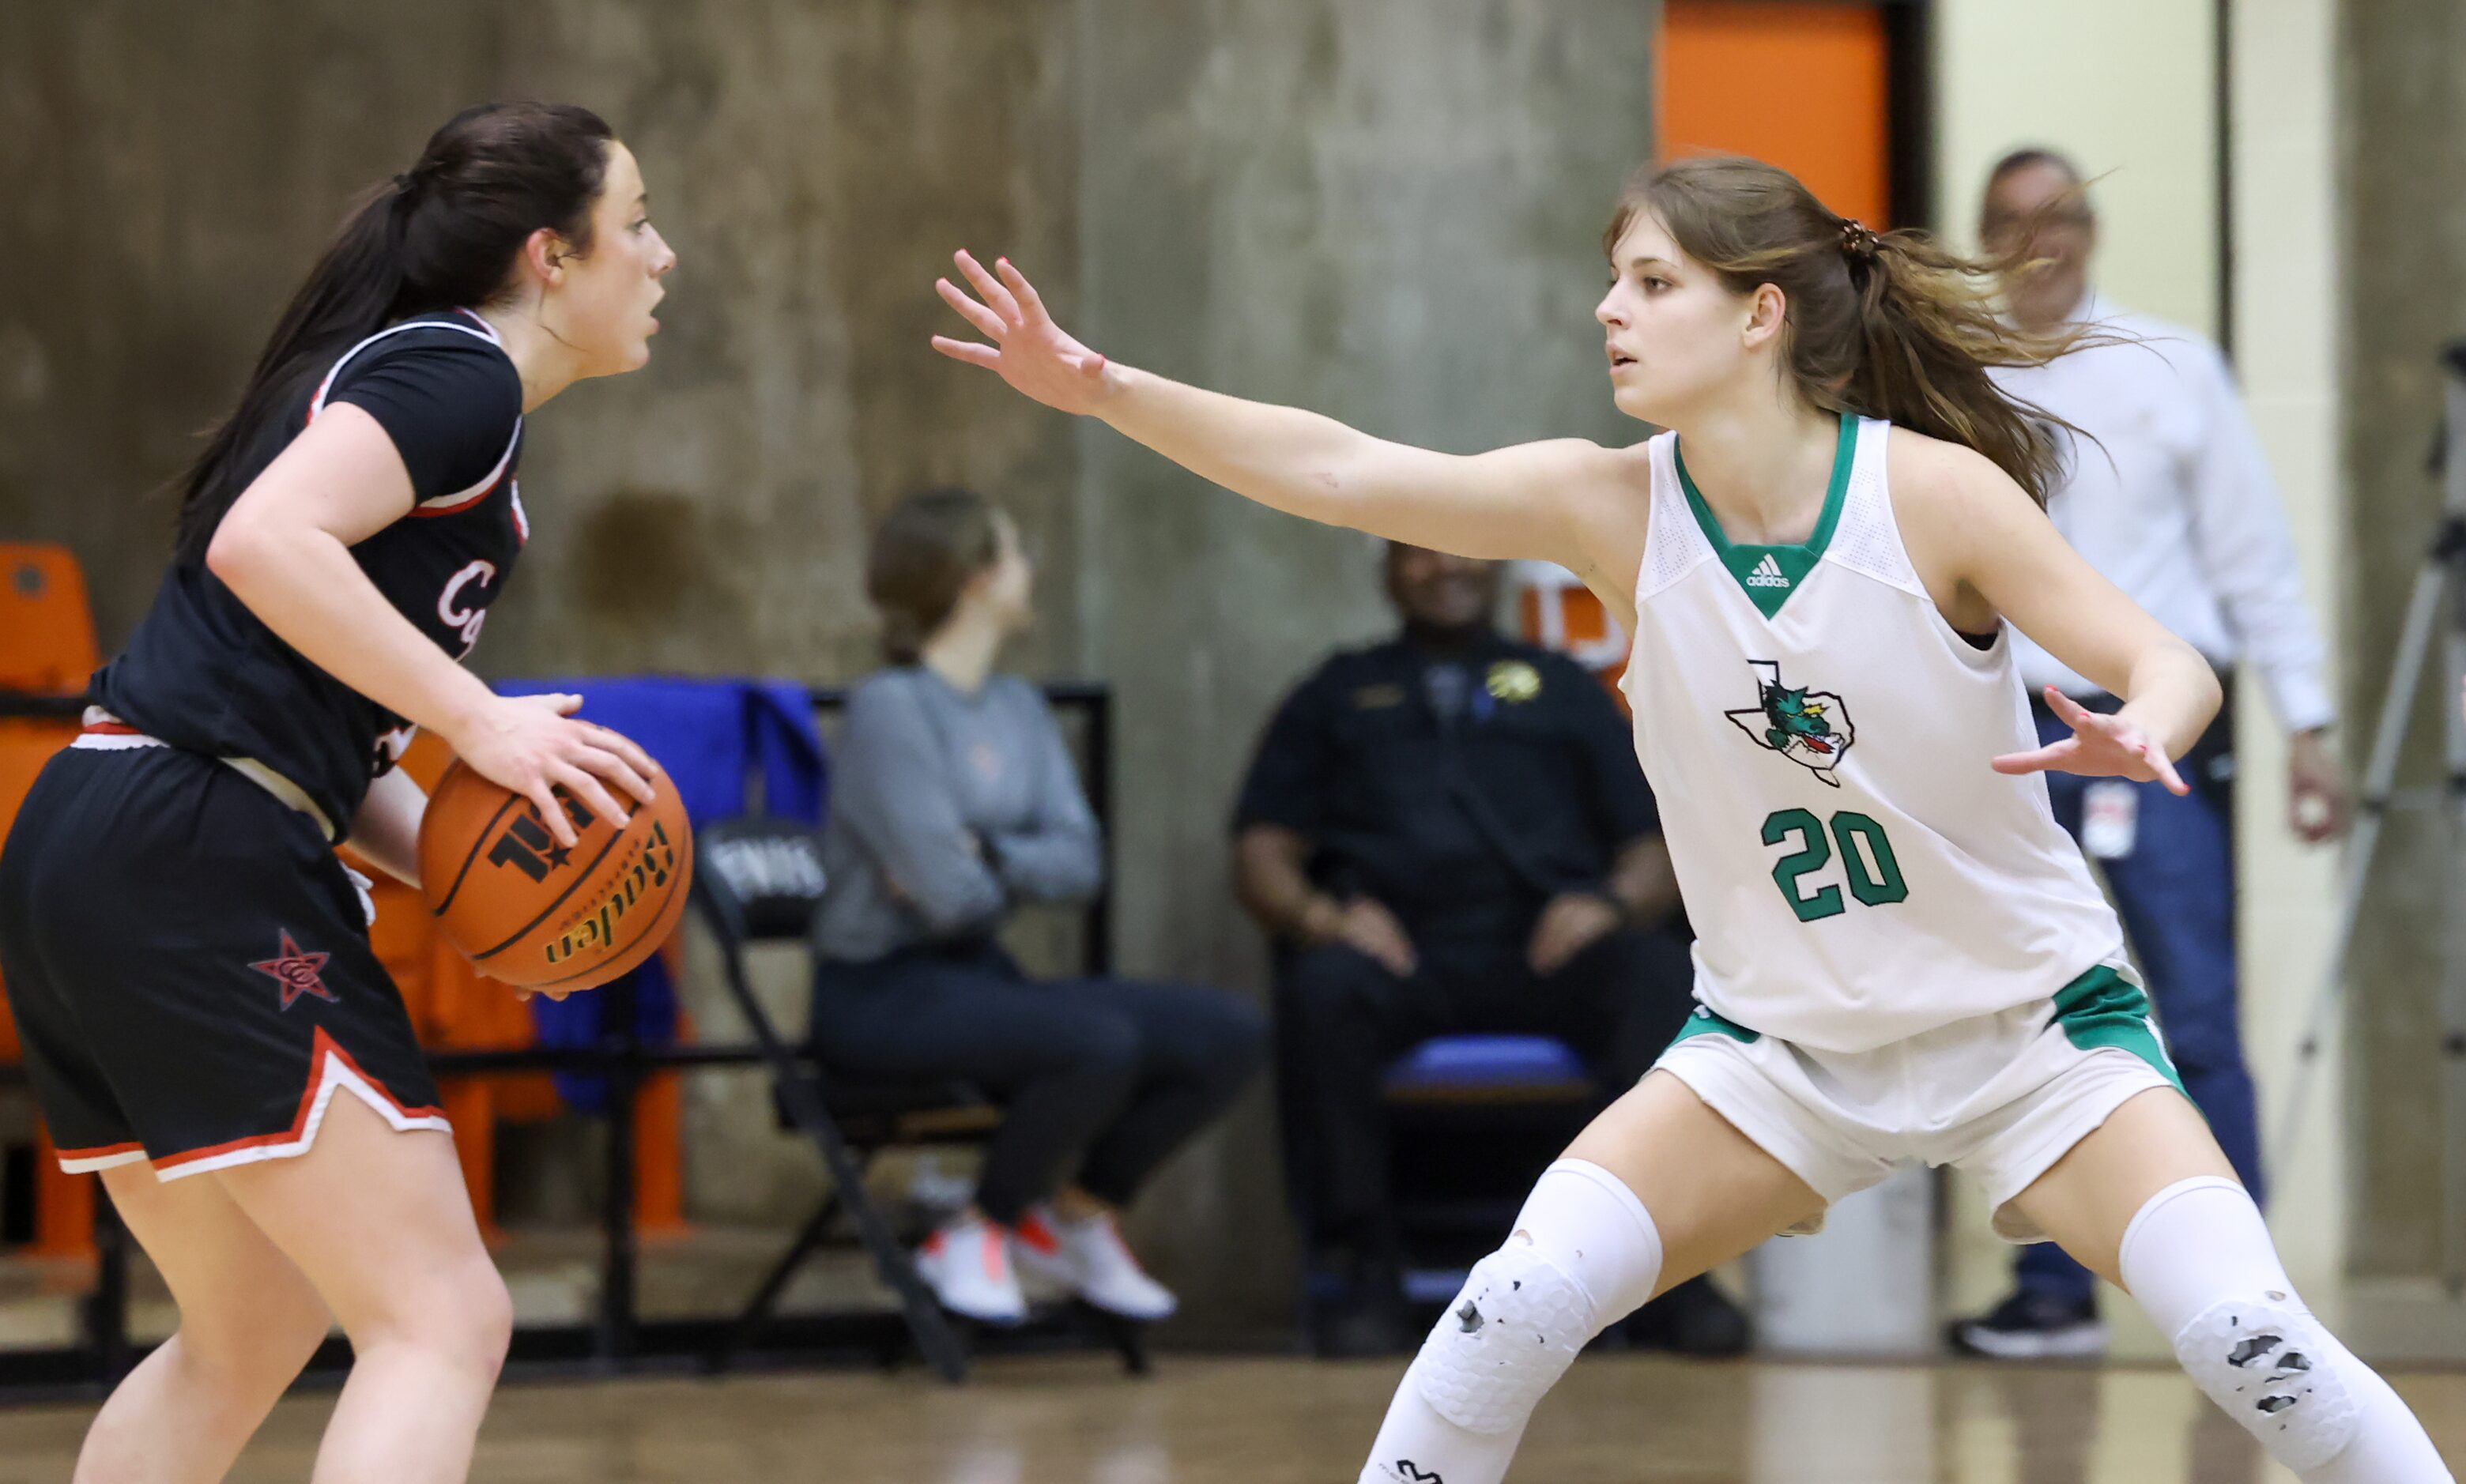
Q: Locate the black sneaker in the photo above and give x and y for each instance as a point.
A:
(2034, 1327)
(1693, 1319)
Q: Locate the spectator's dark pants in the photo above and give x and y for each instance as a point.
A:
(1103, 1077)
(2176, 893)
(1617, 1004)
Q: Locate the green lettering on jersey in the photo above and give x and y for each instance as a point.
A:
(1867, 860)
(1811, 856)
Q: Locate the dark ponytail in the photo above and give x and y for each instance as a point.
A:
(441, 235)
(1890, 326)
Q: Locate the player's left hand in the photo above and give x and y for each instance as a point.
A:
(2100, 746)
(1569, 925)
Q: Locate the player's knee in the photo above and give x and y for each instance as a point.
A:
(2274, 1370)
(1511, 1333)
(2198, 1262)
(487, 1330)
(1582, 1254)
(463, 1316)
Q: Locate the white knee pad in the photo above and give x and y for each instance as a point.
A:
(2277, 1371)
(1513, 1331)
(1584, 1254)
(2198, 1258)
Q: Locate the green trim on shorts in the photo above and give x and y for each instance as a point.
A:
(2105, 1008)
(1705, 1022)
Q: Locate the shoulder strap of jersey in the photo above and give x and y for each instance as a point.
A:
(470, 324)
(1672, 544)
(1867, 539)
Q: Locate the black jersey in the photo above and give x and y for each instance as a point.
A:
(203, 673)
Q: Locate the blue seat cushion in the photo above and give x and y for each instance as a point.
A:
(1467, 1061)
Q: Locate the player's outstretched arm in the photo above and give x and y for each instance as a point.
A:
(1521, 502)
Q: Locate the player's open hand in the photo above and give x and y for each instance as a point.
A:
(1028, 350)
(2100, 746)
(532, 746)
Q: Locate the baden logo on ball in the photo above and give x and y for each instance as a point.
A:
(542, 916)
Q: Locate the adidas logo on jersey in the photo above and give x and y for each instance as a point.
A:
(1767, 574)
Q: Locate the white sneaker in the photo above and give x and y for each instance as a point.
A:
(967, 1265)
(1091, 1259)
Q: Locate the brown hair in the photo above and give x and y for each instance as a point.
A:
(443, 234)
(924, 553)
(1888, 324)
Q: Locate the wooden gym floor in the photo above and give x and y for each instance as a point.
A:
(1064, 1420)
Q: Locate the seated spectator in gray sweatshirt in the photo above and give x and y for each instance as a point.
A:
(954, 799)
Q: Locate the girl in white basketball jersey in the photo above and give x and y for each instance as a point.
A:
(1901, 956)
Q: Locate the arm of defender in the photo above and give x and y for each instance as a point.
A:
(1522, 502)
(1971, 523)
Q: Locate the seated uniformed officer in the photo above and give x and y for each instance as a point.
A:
(1448, 834)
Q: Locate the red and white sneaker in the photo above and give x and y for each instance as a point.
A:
(1091, 1259)
(967, 1265)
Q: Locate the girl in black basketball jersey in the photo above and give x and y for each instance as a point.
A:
(188, 960)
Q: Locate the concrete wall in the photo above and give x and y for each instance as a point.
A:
(2403, 153)
(1383, 209)
(808, 162)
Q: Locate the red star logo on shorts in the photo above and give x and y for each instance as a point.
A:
(296, 972)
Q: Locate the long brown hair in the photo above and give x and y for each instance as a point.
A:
(923, 555)
(1884, 324)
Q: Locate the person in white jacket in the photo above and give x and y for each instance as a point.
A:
(2170, 499)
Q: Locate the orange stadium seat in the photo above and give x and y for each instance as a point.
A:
(47, 646)
(46, 629)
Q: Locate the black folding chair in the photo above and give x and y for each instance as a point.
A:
(759, 880)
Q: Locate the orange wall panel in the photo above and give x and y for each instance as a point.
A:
(1803, 86)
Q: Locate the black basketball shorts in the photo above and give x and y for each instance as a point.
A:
(189, 967)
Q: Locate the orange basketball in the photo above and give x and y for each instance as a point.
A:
(533, 913)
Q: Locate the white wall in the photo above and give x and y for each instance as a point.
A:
(2127, 88)
(2287, 272)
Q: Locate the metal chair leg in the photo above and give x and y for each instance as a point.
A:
(804, 1099)
(756, 1312)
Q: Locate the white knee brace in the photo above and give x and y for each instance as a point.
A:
(2275, 1370)
(2199, 1260)
(1583, 1254)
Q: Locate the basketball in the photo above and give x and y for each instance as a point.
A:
(537, 915)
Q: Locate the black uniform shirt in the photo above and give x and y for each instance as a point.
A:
(1442, 782)
(203, 673)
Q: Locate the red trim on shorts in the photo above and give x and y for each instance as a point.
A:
(321, 1048)
(108, 729)
(102, 1152)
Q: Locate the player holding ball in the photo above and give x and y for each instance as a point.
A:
(188, 960)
